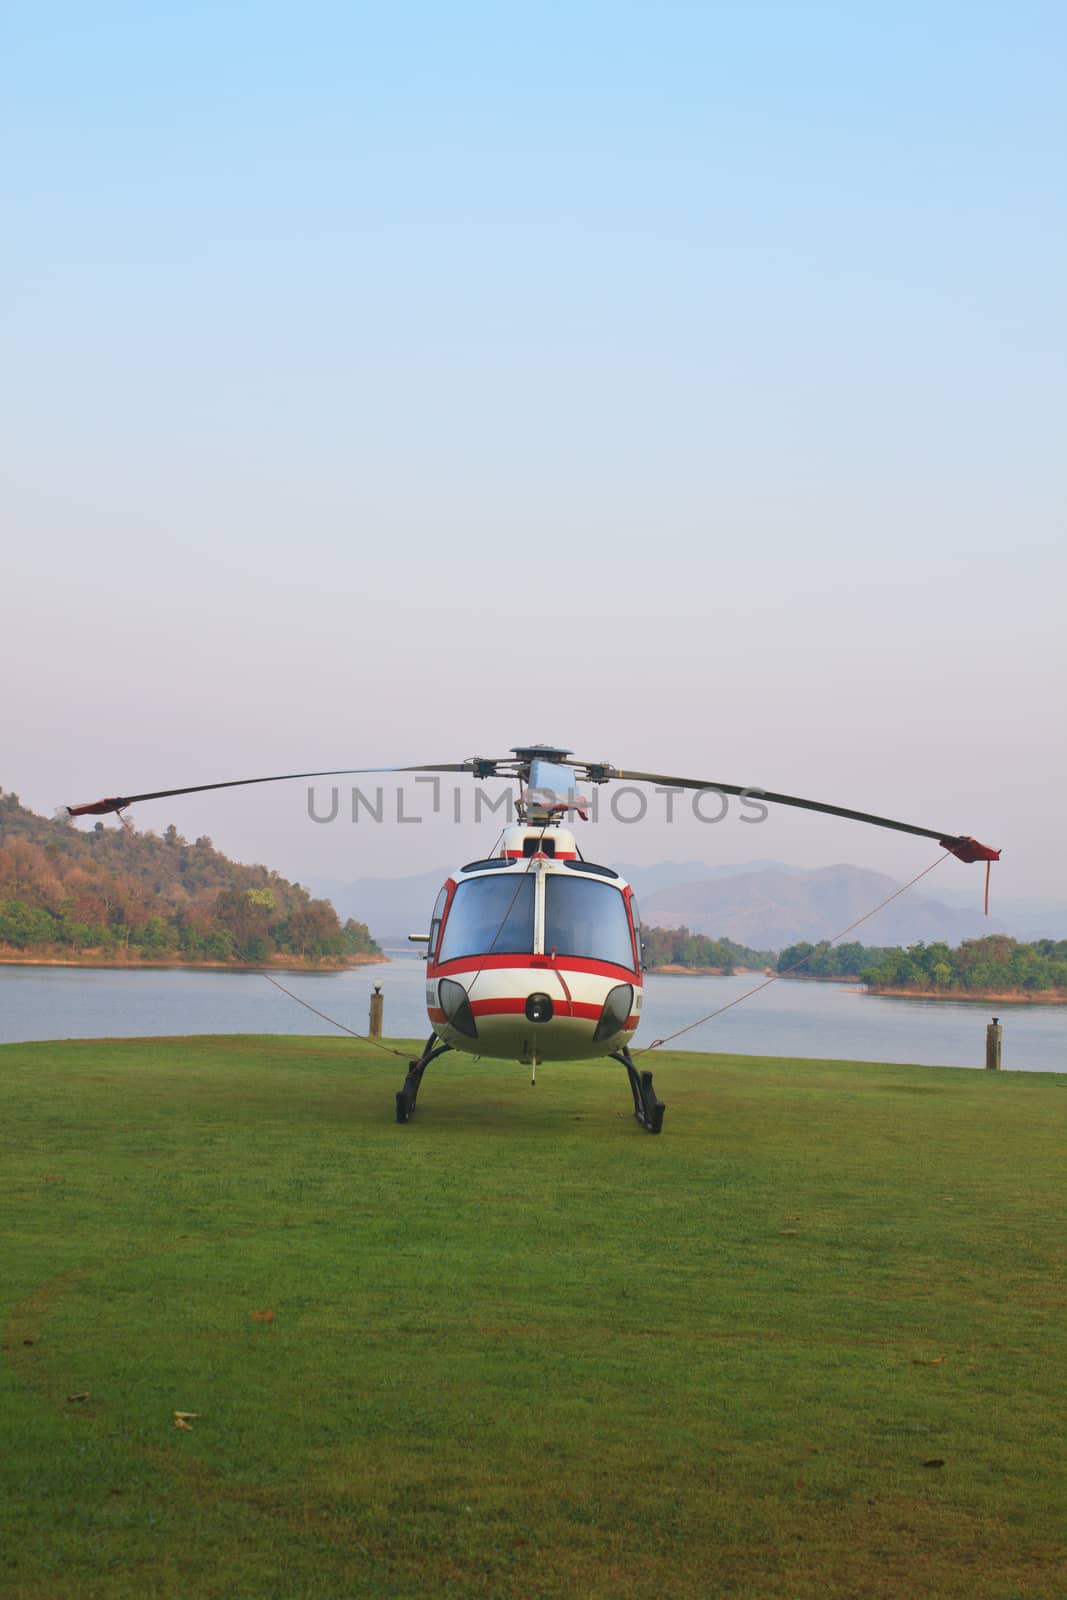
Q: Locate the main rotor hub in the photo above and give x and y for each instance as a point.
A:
(545, 752)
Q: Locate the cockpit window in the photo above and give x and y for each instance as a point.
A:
(490, 916)
(588, 919)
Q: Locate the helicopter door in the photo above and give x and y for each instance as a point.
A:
(639, 943)
(587, 919)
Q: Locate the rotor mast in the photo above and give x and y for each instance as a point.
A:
(548, 785)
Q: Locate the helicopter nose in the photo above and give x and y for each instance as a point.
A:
(539, 1008)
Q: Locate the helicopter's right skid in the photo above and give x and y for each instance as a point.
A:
(648, 1107)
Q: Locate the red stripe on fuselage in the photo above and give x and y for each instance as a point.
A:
(508, 1006)
(564, 964)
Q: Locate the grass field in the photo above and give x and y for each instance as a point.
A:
(808, 1343)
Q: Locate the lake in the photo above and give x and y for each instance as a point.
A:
(824, 1020)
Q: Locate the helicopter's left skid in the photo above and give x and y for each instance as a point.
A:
(407, 1096)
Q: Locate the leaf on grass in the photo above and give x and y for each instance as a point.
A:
(934, 1361)
(935, 1461)
(72, 1399)
(178, 1423)
(50, 1177)
(263, 1316)
(185, 1415)
(783, 1231)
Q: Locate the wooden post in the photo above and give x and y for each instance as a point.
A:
(992, 1045)
(377, 1006)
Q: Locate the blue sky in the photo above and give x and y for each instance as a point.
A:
(399, 383)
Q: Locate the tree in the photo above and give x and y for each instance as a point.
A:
(314, 929)
(247, 919)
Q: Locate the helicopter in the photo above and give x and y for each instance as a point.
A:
(534, 953)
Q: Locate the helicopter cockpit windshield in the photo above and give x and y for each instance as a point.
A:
(495, 916)
(587, 919)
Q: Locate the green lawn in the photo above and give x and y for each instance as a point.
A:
(520, 1349)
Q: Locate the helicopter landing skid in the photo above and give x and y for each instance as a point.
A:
(406, 1097)
(648, 1107)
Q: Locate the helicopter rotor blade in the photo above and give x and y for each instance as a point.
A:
(960, 845)
(101, 808)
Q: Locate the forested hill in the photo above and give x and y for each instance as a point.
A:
(113, 894)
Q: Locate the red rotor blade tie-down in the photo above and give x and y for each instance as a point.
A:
(98, 808)
(967, 849)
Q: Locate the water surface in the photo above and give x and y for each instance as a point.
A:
(824, 1020)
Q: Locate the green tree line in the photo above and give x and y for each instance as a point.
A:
(117, 892)
(830, 960)
(677, 947)
(996, 963)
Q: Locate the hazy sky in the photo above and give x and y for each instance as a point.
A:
(684, 384)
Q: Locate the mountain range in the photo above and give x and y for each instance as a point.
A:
(766, 904)
(776, 906)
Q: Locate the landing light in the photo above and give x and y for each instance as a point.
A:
(539, 1008)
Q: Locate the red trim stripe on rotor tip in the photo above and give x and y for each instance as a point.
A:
(964, 848)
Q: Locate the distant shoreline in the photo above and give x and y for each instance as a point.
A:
(109, 964)
(996, 997)
(673, 969)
